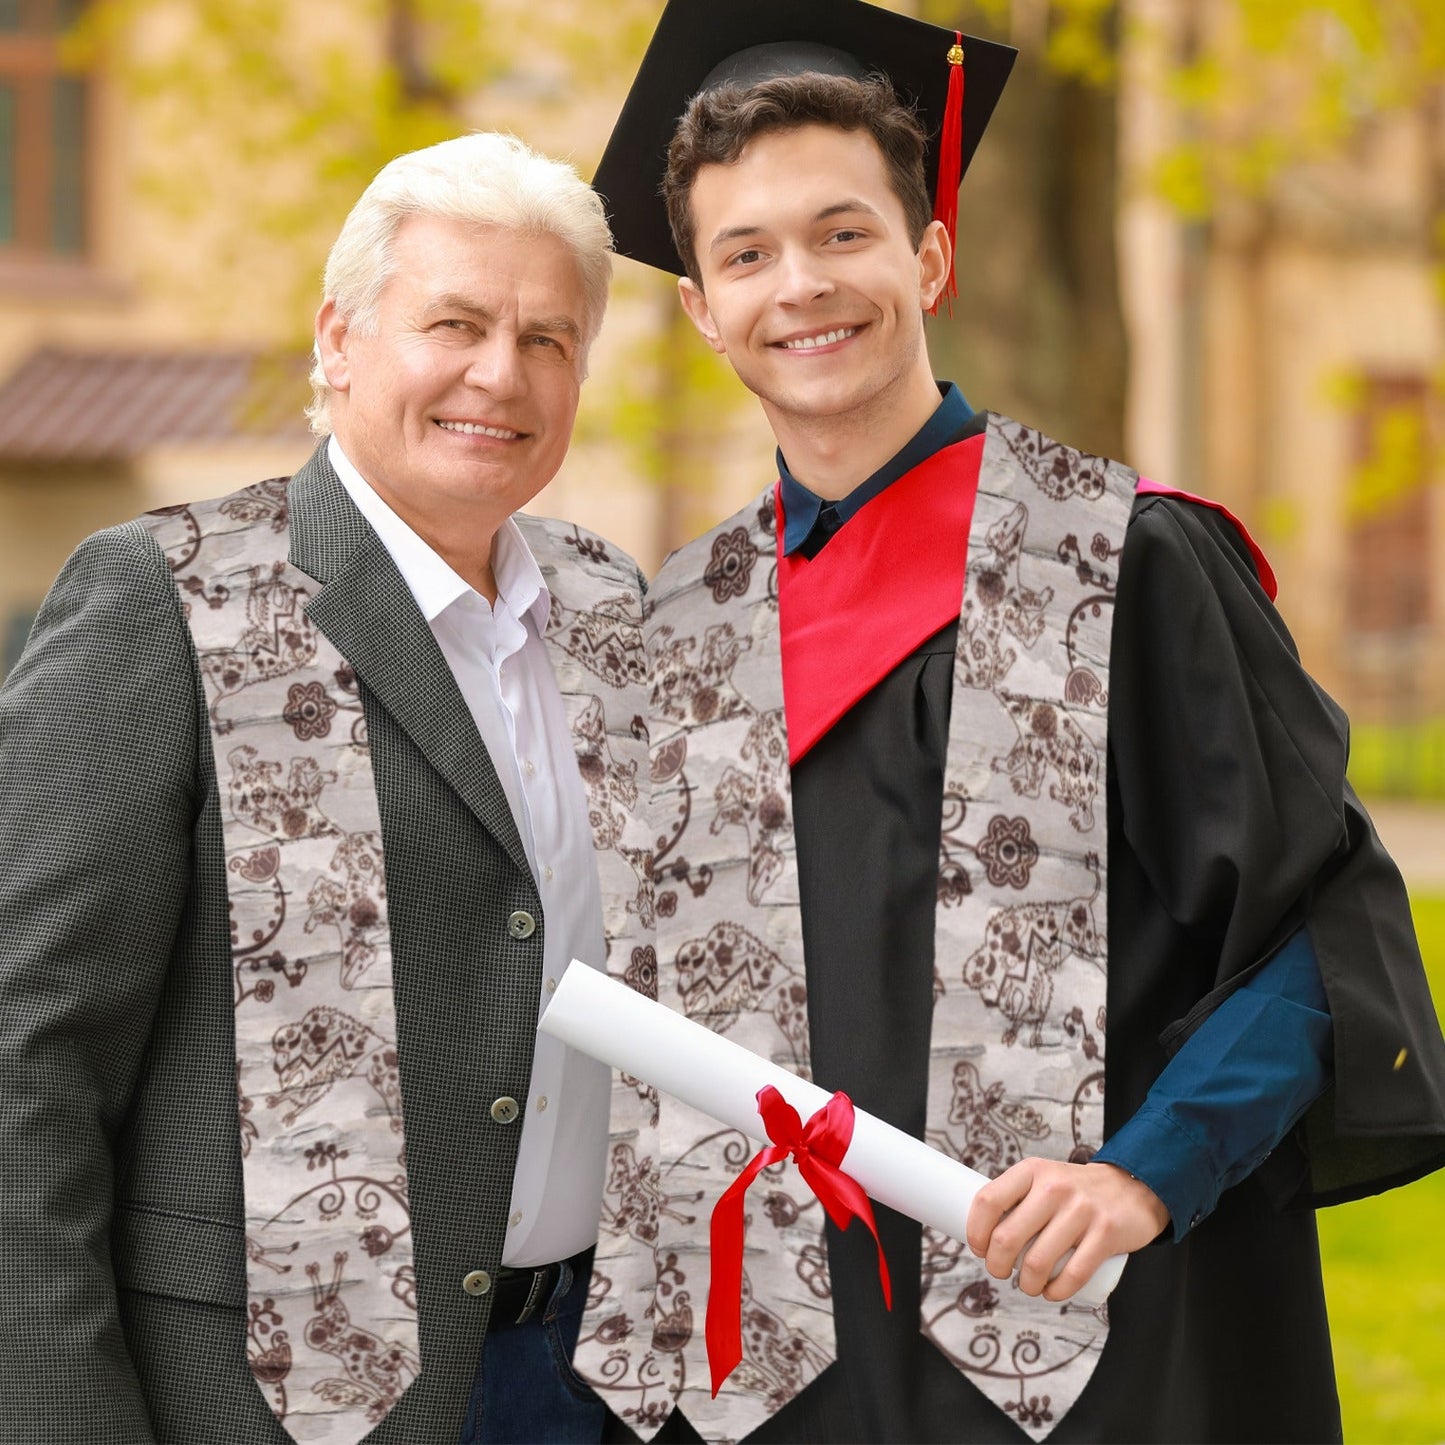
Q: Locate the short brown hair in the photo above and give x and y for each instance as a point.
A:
(719, 123)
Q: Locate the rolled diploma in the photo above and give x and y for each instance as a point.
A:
(615, 1024)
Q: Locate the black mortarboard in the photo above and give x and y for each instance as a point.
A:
(702, 43)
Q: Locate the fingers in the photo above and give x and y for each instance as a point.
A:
(995, 1200)
(1035, 1213)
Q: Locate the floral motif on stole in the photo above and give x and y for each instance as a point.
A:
(332, 1314)
(1017, 1046)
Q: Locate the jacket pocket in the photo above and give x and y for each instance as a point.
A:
(159, 1251)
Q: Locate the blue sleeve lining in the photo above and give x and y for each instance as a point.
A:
(1237, 1086)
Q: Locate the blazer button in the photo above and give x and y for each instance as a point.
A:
(521, 924)
(505, 1110)
(478, 1282)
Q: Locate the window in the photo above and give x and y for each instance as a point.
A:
(1389, 509)
(43, 122)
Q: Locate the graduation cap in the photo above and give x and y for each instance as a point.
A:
(952, 82)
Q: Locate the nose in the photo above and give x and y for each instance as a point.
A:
(802, 277)
(495, 366)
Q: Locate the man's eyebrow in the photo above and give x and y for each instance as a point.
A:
(454, 301)
(849, 206)
(732, 233)
(555, 326)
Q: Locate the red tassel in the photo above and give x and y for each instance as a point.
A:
(950, 166)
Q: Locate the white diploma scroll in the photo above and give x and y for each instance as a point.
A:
(608, 1021)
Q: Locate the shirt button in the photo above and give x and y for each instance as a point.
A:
(551, 985)
(542, 1104)
(547, 874)
(530, 766)
(478, 1282)
(505, 1109)
(521, 924)
(516, 1218)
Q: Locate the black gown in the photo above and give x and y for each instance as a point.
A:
(1230, 823)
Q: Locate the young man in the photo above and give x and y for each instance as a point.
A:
(969, 748)
(292, 811)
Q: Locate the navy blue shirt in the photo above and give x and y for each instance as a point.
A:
(1244, 1078)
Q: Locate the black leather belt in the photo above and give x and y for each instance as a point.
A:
(519, 1295)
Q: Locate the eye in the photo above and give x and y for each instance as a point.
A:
(747, 258)
(847, 235)
(452, 323)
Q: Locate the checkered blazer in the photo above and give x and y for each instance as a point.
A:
(123, 1311)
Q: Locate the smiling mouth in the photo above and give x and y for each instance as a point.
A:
(823, 338)
(476, 429)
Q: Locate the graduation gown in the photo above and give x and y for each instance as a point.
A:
(1230, 825)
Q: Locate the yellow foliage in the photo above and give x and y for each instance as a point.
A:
(1081, 43)
(1182, 177)
(1279, 519)
(1273, 83)
(1344, 388)
(1399, 463)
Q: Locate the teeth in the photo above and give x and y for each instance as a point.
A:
(827, 338)
(468, 429)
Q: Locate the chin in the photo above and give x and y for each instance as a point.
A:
(829, 398)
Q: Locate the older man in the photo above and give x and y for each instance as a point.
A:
(293, 815)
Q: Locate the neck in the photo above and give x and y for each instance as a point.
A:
(461, 535)
(831, 454)
(472, 563)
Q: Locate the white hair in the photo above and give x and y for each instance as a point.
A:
(485, 178)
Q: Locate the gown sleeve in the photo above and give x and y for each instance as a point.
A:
(1233, 826)
(1235, 1089)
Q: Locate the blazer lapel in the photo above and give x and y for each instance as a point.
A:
(367, 611)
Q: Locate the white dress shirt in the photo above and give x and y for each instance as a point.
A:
(500, 664)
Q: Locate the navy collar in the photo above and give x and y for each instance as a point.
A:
(811, 520)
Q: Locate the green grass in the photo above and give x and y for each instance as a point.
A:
(1400, 760)
(1385, 1281)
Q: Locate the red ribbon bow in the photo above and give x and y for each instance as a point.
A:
(819, 1147)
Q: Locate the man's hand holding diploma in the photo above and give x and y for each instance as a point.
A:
(1041, 1208)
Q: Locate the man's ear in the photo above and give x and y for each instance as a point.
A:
(935, 255)
(699, 313)
(331, 338)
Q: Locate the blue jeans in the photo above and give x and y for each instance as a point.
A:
(525, 1392)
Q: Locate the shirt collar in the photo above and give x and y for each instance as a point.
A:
(433, 582)
(801, 506)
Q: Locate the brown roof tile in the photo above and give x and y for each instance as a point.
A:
(60, 405)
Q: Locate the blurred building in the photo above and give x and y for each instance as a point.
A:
(1285, 353)
(145, 362)
(1288, 357)
(110, 404)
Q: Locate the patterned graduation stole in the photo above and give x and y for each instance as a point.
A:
(332, 1333)
(332, 1314)
(1020, 947)
(1017, 1046)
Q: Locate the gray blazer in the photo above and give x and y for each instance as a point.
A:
(123, 1313)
